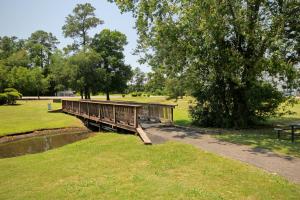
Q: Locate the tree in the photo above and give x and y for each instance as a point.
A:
(110, 45)
(41, 46)
(78, 24)
(39, 84)
(60, 72)
(231, 52)
(138, 81)
(156, 82)
(9, 45)
(28, 81)
(86, 73)
(20, 78)
(18, 58)
(3, 77)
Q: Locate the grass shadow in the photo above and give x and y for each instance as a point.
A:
(265, 138)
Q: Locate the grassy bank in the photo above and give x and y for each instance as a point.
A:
(112, 166)
(33, 115)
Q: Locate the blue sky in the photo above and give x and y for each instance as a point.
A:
(22, 17)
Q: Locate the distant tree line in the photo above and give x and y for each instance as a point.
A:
(35, 66)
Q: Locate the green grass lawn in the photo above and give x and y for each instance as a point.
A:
(260, 137)
(33, 115)
(266, 137)
(112, 166)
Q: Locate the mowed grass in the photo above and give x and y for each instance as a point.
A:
(266, 137)
(113, 166)
(33, 115)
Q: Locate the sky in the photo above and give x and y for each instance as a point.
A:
(22, 17)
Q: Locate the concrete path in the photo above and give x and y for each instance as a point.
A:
(286, 166)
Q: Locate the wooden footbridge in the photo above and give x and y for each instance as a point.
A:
(126, 115)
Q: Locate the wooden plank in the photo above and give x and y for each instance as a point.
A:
(143, 135)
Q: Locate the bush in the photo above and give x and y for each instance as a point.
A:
(134, 94)
(123, 95)
(12, 97)
(9, 96)
(10, 90)
(3, 98)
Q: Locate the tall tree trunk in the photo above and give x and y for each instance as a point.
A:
(107, 95)
(81, 94)
(38, 94)
(240, 111)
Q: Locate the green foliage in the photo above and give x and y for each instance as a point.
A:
(156, 82)
(136, 94)
(3, 77)
(41, 46)
(28, 81)
(19, 58)
(78, 24)
(222, 53)
(9, 45)
(3, 98)
(137, 82)
(110, 45)
(10, 96)
(87, 74)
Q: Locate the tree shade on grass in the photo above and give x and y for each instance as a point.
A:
(111, 166)
(33, 115)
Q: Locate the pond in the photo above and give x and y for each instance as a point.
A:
(36, 144)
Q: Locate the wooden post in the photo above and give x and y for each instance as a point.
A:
(114, 112)
(99, 112)
(72, 106)
(135, 118)
(79, 108)
(293, 133)
(172, 116)
(88, 109)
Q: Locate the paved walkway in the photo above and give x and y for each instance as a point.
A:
(286, 166)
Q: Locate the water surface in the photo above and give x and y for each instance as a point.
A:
(38, 144)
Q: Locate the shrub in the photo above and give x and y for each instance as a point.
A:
(134, 94)
(12, 97)
(139, 94)
(3, 98)
(9, 96)
(10, 90)
(123, 95)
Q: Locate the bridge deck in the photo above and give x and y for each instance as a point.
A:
(124, 115)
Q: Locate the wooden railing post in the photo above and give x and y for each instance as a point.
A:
(99, 111)
(135, 118)
(79, 108)
(172, 115)
(88, 109)
(72, 106)
(114, 112)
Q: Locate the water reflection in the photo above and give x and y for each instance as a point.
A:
(40, 143)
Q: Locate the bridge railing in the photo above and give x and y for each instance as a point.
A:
(150, 111)
(117, 114)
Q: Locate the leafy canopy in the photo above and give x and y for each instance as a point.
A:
(233, 54)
